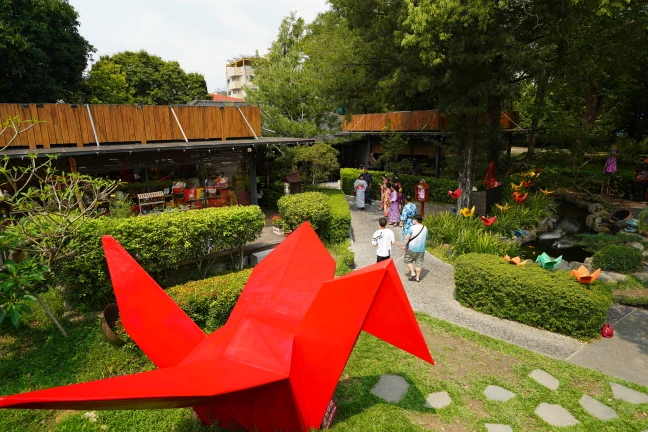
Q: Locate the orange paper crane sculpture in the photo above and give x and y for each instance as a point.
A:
(515, 260)
(456, 194)
(520, 198)
(503, 208)
(276, 362)
(583, 275)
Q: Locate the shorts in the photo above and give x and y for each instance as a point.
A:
(414, 257)
(379, 258)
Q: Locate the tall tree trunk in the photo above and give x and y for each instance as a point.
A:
(538, 105)
(466, 172)
(494, 112)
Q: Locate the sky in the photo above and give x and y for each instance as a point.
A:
(200, 34)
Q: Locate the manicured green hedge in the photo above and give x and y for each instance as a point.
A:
(528, 294)
(159, 242)
(438, 187)
(619, 258)
(209, 302)
(337, 226)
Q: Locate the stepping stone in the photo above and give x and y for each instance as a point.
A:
(391, 388)
(626, 394)
(555, 415)
(438, 400)
(597, 409)
(490, 427)
(496, 393)
(545, 379)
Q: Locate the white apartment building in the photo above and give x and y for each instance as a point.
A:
(240, 77)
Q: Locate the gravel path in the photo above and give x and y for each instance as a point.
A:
(434, 295)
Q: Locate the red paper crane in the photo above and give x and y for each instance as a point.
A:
(456, 194)
(520, 198)
(276, 362)
(488, 221)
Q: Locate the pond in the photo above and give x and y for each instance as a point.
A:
(569, 220)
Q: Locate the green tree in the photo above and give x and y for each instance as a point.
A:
(106, 84)
(43, 55)
(153, 81)
(317, 162)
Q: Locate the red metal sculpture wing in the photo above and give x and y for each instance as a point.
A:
(161, 329)
(372, 299)
(175, 387)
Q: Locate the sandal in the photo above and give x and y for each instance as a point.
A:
(412, 278)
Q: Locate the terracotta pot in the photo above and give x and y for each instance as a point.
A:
(287, 233)
(110, 316)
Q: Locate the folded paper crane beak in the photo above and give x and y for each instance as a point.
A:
(583, 275)
(546, 262)
(546, 191)
(466, 212)
(520, 198)
(516, 187)
(488, 221)
(515, 260)
(504, 207)
(456, 194)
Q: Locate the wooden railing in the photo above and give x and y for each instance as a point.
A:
(65, 124)
(414, 121)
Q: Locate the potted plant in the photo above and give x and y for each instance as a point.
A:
(277, 225)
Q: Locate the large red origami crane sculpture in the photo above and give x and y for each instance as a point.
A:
(276, 362)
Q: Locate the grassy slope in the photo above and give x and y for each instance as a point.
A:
(38, 357)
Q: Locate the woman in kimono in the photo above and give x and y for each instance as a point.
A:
(359, 186)
(385, 199)
(383, 189)
(394, 207)
(409, 210)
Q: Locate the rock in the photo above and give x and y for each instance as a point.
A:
(490, 427)
(438, 400)
(91, 416)
(391, 388)
(597, 409)
(546, 225)
(563, 265)
(582, 203)
(644, 255)
(593, 221)
(626, 394)
(596, 208)
(637, 245)
(545, 379)
(611, 277)
(555, 415)
(588, 260)
(529, 237)
(642, 276)
(575, 265)
(603, 228)
(496, 393)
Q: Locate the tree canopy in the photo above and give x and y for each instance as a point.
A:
(43, 55)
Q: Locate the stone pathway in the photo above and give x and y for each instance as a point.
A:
(392, 388)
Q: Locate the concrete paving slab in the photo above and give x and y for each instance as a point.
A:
(596, 408)
(438, 400)
(545, 379)
(490, 427)
(627, 394)
(623, 356)
(391, 388)
(496, 393)
(555, 415)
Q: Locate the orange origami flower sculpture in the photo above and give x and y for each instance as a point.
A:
(488, 221)
(520, 198)
(466, 212)
(546, 191)
(515, 260)
(504, 207)
(583, 275)
(456, 194)
(517, 187)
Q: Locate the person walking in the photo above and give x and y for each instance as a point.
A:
(359, 186)
(383, 239)
(383, 186)
(394, 209)
(407, 215)
(369, 179)
(414, 247)
(385, 199)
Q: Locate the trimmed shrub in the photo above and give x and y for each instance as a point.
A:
(528, 294)
(270, 197)
(308, 206)
(209, 302)
(595, 242)
(337, 226)
(438, 187)
(159, 242)
(619, 258)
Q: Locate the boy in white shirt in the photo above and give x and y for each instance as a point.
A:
(383, 239)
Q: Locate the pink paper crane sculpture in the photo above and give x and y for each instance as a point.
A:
(276, 362)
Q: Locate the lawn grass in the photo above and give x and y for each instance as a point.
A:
(37, 356)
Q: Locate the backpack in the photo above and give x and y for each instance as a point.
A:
(607, 331)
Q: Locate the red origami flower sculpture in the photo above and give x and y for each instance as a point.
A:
(488, 221)
(520, 198)
(456, 194)
(526, 183)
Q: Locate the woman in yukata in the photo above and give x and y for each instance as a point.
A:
(359, 186)
(394, 207)
(409, 210)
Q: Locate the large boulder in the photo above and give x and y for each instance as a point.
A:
(596, 208)
(637, 245)
(593, 221)
(611, 277)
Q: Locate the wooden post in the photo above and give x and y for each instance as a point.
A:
(422, 208)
